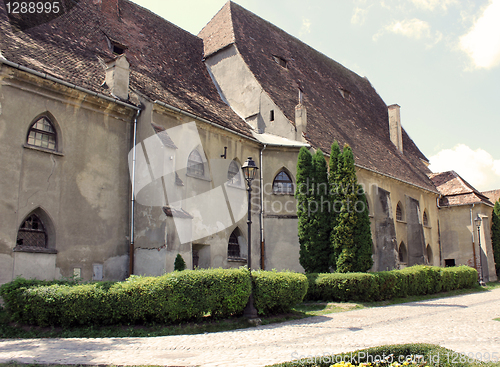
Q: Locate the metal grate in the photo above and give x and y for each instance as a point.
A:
(233, 247)
(32, 233)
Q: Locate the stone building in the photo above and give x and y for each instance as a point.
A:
(122, 138)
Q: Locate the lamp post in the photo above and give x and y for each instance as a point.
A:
(478, 221)
(250, 171)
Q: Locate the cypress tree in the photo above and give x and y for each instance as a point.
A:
(343, 232)
(303, 195)
(319, 216)
(333, 183)
(362, 233)
(495, 235)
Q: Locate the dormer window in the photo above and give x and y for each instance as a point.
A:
(345, 93)
(280, 61)
(118, 50)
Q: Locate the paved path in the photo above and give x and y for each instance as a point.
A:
(463, 323)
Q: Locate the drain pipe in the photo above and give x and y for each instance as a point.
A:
(472, 233)
(132, 197)
(261, 218)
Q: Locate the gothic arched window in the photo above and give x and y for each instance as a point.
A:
(282, 183)
(42, 134)
(195, 164)
(32, 233)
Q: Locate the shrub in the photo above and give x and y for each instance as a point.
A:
(458, 277)
(173, 297)
(276, 292)
(342, 286)
(384, 285)
(179, 263)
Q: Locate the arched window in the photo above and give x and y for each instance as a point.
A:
(425, 219)
(32, 233)
(399, 211)
(42, 134)
(430, 256)
(402, 253)
(233, 247)
(234, 174)
(195, 164)
(282, 183)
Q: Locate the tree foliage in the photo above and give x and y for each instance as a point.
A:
(303, 195)
(319, 216)
(495, 235)
(179, 263)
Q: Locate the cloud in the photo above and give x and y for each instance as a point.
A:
(478, 167)
(359, 16)
(433, 4)
(482, 43)
(413, 28)
(306, 26)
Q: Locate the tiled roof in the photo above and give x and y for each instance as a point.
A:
(165, 61)
(493, 195)
(456, 191)
(360, 120)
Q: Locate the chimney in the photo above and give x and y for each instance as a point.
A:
(300, 121)
(117, 77)
(395, 126)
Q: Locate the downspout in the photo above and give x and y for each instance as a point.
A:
(261, 218)
(472, 232)
(439, 233)
(132, 198)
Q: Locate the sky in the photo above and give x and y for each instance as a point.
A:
(438, 59)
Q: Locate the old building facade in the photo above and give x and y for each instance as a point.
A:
(123, 136)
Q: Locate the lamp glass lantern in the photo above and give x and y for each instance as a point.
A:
(249, 169)
(478, 221)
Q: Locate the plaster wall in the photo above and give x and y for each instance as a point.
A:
(244, 94)
(459, 237)
(81, 191)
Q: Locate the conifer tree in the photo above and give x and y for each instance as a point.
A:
(343, 232)
(333, 178)
(303, 195)
(351, 236)
(495, 235)
(179, 263)
(362, 233)
(319, 216)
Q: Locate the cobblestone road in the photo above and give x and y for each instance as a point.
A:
(463, 323)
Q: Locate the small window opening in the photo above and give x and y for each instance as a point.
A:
(280, 61)
(403, 253)
(118, 50)
(449, 262)
(345, 93)
(233, 247)
(425, 219)
(271, 115)
(399, 212)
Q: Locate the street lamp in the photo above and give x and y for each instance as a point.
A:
(478, 221)
(250, 171)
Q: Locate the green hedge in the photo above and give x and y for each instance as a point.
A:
(277, 292)
(171, 298)
(366, 287)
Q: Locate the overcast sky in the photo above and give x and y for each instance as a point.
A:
(438, 59)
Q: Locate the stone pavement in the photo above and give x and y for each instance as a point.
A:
(462, 323)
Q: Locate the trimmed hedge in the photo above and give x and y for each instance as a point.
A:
(384, 285)
(277, 292)
(171, 298)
